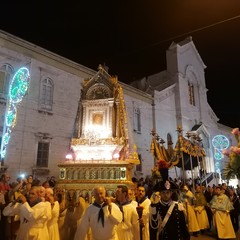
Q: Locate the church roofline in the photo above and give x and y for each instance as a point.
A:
(136, 91)
(34, 51)
(182, 45)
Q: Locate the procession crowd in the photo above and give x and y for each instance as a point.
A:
(168, 210)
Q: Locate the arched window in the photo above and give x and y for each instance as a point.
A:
(46, 99)
(6, 73)
(137, 120)
(191, 93)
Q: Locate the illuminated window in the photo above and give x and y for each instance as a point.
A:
(191, 94)
(43, 154)
(46, 99)
(137, 120)
(6, 72)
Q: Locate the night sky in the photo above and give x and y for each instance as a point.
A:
(132, 36)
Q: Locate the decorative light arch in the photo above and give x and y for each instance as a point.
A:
(17, 90)
(219, 142)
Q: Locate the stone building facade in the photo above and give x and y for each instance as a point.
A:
(46, 116)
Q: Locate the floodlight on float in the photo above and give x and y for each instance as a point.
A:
(69, 156)
(116, 155)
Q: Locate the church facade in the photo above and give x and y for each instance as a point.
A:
(45, 119)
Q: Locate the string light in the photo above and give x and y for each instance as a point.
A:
(17, 90)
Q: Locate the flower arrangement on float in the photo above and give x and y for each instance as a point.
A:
(232, 167)
(160, 170)
(162, 164)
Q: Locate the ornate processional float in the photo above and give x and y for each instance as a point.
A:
(100, 152)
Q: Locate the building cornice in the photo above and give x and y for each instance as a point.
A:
(164, 94)
(131, 91)
(33, 51)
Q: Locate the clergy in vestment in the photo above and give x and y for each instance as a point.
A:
(131, 198)
(221, 207)
(199, 208)
(102, 217)
(144, 202)
(189, 199)
(52, 224)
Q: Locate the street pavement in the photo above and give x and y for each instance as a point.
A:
(202, 237)
(209, 236)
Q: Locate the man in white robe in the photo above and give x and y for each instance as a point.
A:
(33, 216)
(128, 229)
(144, 202)
(52, 224)
(102, 217)
(131, 198)
(42, 195)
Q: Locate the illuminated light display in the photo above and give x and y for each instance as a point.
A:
(17, 90)
(95, 149)
(116, 155)
(69, 156)
(19, 85)
(11, 116)
(96, 131)
(96, 152)
(219, 142)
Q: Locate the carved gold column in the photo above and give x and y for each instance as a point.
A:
(110, 115)
(117, 119)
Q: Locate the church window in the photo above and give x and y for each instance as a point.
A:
(46, 99)
(6, 72)
(137, 120)
(43, 154)
(191, 93)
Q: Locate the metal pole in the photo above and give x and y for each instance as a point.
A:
(140, 212)
(176, 172)
(193, 183)
(204, 169)
(183, 168)
(198, 166)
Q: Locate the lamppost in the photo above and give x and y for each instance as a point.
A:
(199, 141)
(153, 133)
(180, 152)
(189, 135)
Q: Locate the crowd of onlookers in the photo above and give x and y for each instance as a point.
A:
(10, 192)
(208, 192)
(32, 191)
